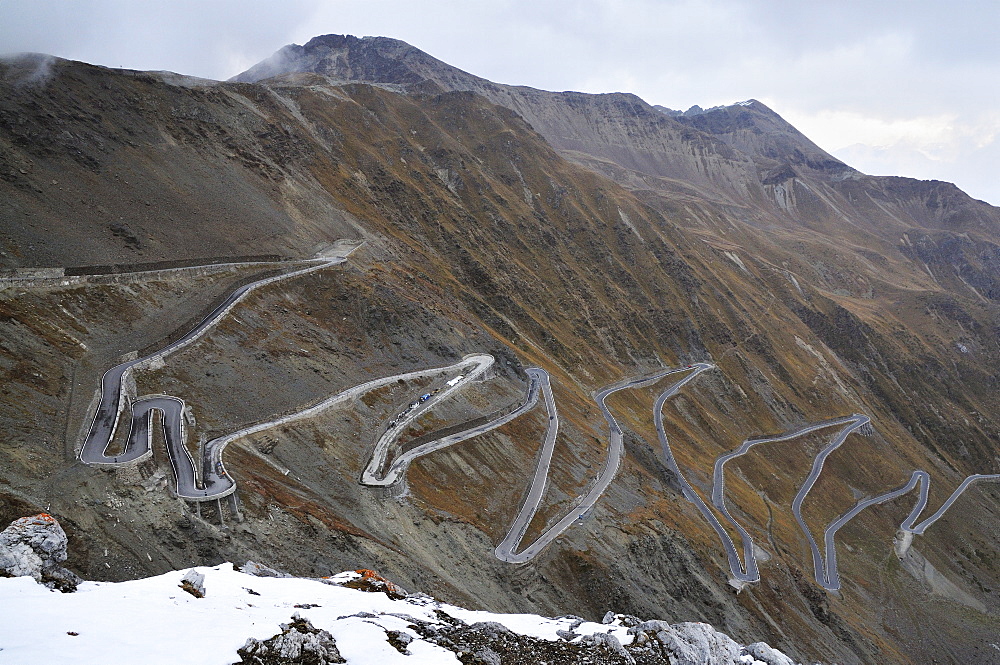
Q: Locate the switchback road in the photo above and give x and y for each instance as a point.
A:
(480, 363)
(114, 402)
(399, 466)
(748, 571)
(831, 579)
(616, 451)
(824, 563)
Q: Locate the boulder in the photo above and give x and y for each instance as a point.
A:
(298, 642)
(763, 652)
(260, 570)
(685, 643)
(194, 583)
(611, 643)
(36, 546)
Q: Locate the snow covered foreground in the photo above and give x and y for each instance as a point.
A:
(153, 621)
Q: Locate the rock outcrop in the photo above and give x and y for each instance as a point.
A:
(260, 570)
(763, 652)
(687, 643)
(372, 582)
(194, 583)
(298, 642)
(36, 546)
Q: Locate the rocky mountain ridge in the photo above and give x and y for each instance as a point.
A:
(616, 127)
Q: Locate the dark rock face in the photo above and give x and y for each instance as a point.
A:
(298, 643)
(489, 643)
(36, 546)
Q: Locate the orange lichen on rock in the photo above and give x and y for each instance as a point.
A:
(373, 582)
(39, 519)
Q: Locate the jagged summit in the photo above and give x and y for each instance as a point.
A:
(697, 110)
(350, 58)
(754, 128)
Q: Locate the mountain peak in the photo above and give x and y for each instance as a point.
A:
(365, 59)
(755, 129)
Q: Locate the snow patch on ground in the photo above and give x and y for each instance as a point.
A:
(155, 621)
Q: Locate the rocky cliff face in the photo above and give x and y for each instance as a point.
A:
(816, 291)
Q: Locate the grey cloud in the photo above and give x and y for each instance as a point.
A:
(28, 69)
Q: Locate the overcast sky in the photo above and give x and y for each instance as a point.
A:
(897, 88)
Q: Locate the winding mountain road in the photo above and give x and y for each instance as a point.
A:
(854, 422)
(824, 563)
(480, 363)
(741, 573)
(616, 451)
(748, 571)
(831, 579)
(114, 402)
(216, 483)
(505, 550)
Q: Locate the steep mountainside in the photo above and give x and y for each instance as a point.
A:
(726, 237)
(739, 154)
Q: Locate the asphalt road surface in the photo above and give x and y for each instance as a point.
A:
(399, 466)
(370, 476)
(741, 573)
(831, 579)
(113, 403)
(825, 563)
(853, 423)
(505, 550)
(616, 451)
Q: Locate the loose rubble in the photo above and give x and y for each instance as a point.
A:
(299, 642)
